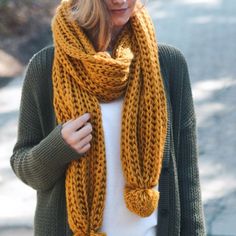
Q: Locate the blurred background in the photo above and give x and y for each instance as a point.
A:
(204, 30)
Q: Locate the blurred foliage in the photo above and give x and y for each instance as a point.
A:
(15, 15)
(25, 26)
(10, 18)
(3, 2)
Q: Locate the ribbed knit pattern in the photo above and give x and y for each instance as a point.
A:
(40, 156)
(81, 79)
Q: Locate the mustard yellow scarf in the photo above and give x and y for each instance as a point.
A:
(82, 78)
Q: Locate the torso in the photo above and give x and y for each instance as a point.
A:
(116, 214)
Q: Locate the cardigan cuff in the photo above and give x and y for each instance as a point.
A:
(53, 150)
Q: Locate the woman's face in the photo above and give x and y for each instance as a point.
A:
(121, 11)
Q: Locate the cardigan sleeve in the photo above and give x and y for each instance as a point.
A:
(38, 160)
(192, 217)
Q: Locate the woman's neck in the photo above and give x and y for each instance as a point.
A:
(115, 32)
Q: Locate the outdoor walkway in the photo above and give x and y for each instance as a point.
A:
(205, 31)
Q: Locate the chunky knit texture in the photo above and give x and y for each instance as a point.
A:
(40, 156)
(81, 79)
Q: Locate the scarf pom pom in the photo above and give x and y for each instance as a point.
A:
(142, 202)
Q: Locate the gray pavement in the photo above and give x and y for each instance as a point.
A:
(205, 31)
(15, 231)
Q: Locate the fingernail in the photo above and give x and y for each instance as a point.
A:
(87, 115)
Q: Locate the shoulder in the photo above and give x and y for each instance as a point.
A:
(39, 68)
(43, 52)
(42, 59)
(176, 78)
(174, 67)
(171, 58)
(171, 54)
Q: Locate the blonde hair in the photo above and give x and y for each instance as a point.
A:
(94, 17)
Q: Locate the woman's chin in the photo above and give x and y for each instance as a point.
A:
(120, 23)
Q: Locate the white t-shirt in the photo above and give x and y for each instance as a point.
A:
(118, 220)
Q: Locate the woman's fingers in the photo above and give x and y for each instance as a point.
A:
(77, 133)
(76, 124)
(85, 148)
(65, 124)
(84, 131)
(75, 137)
(83, 143)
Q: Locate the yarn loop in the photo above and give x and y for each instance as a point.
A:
(142, 202)
(82, 78)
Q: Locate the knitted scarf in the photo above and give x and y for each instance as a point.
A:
(82, 78)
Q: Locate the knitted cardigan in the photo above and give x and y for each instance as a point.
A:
(40, 156)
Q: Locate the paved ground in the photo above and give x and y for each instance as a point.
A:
(16, 231)
(205, 31)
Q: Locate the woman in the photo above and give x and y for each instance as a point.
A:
(107, 128)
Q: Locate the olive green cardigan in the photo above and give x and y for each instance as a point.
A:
(40, 156)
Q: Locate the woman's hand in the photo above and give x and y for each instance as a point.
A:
(77, 133)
